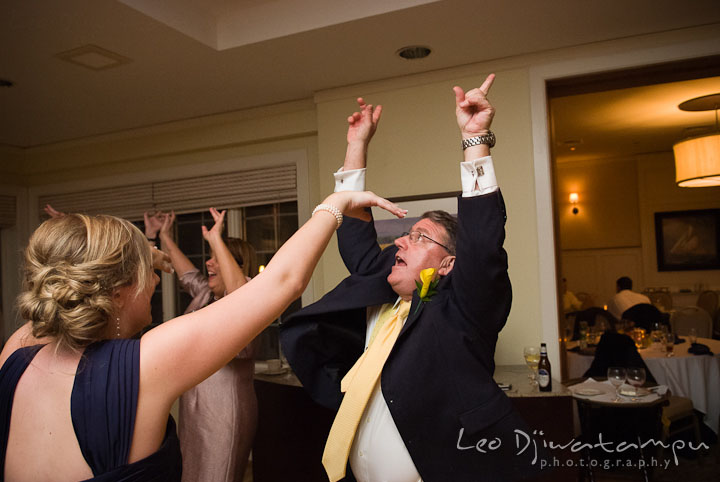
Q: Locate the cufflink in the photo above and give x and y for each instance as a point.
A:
(480, 171)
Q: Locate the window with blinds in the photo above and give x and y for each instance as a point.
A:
(7, 211)
(231, 189)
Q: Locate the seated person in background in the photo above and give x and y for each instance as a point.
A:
(80, 399)
(625, 298)
(570, 301)
(218, 417)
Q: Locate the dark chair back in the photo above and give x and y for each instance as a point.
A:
(616, 350)
(645, 316)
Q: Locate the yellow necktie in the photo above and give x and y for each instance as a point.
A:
(358, 385)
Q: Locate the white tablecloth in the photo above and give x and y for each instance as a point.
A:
(606, 392)
(696, 377)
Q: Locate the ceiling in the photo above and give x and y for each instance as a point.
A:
(184, 59)
(630, 121)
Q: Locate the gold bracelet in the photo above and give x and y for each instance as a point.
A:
(332, 210)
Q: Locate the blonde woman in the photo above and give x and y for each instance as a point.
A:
(81, 400)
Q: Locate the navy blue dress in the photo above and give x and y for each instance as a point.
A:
(102, 406)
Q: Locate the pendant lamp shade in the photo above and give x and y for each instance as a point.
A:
(697, 161)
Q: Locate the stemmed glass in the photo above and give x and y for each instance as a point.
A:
(692, 335)
(532, 358)
(636, 377)
(669, 344)
(616, 375)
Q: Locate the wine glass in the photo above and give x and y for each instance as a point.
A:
(692, 335)
(532, 358)
(616, 375)
(636, 377)
(669, 344)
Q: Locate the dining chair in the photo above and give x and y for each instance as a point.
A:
(617, 350)
(644, 315)
(692, 317)
(708, 301)
(662, 299)
(619, 424)
(586, 299)
(679, 416)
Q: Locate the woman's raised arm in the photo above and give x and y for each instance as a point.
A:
(184, 351)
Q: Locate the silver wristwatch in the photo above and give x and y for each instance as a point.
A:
(488, 139)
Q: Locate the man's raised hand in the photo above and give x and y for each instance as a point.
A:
(363, 124)
(473, 110)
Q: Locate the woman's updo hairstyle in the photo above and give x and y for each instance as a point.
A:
(73, 264)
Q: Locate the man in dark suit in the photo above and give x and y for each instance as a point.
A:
(437, 414)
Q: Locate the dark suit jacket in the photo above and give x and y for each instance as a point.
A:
(437, 381)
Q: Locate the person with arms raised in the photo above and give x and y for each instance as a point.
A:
(410, 369)
(79, 398)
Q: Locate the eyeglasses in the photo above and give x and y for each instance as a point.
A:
(416, 235)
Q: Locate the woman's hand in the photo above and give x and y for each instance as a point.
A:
(166, 227)
(353, 204)
(153, 223)
(161, 260)
(52, 212)
(217, 229)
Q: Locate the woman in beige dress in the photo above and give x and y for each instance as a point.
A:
(218, 417)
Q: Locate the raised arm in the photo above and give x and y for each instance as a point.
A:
(180, 262)
(184, 351)
(361, 128)
(231, 272)
(52, 212)
(358, 249)
(479, 277)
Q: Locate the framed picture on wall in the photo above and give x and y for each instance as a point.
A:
(688, 240)
(389, 227)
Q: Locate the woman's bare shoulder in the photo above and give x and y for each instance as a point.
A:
(22, 337)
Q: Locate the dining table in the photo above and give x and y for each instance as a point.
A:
(696, 377)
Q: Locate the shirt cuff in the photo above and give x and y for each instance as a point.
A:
(478, 177)
(352, 180)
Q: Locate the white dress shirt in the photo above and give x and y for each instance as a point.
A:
(624, 300)
(378, 453)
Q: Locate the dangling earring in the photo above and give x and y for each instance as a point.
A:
(117, 324)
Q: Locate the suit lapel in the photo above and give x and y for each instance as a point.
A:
(416, 308)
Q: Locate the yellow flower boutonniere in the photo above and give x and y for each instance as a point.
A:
(426, 286)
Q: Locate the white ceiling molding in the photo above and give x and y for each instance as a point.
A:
(225, 24)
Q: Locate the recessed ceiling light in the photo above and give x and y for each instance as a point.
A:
(414, 52)
(93, 57)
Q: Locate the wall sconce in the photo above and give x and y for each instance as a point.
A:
(574, 198)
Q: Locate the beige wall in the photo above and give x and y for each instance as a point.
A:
(613, 235)
(416, 151)
(608, 207)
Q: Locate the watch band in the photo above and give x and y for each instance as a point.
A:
(488, 139)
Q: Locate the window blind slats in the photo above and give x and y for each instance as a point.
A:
(226, 190)
(7, 211)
